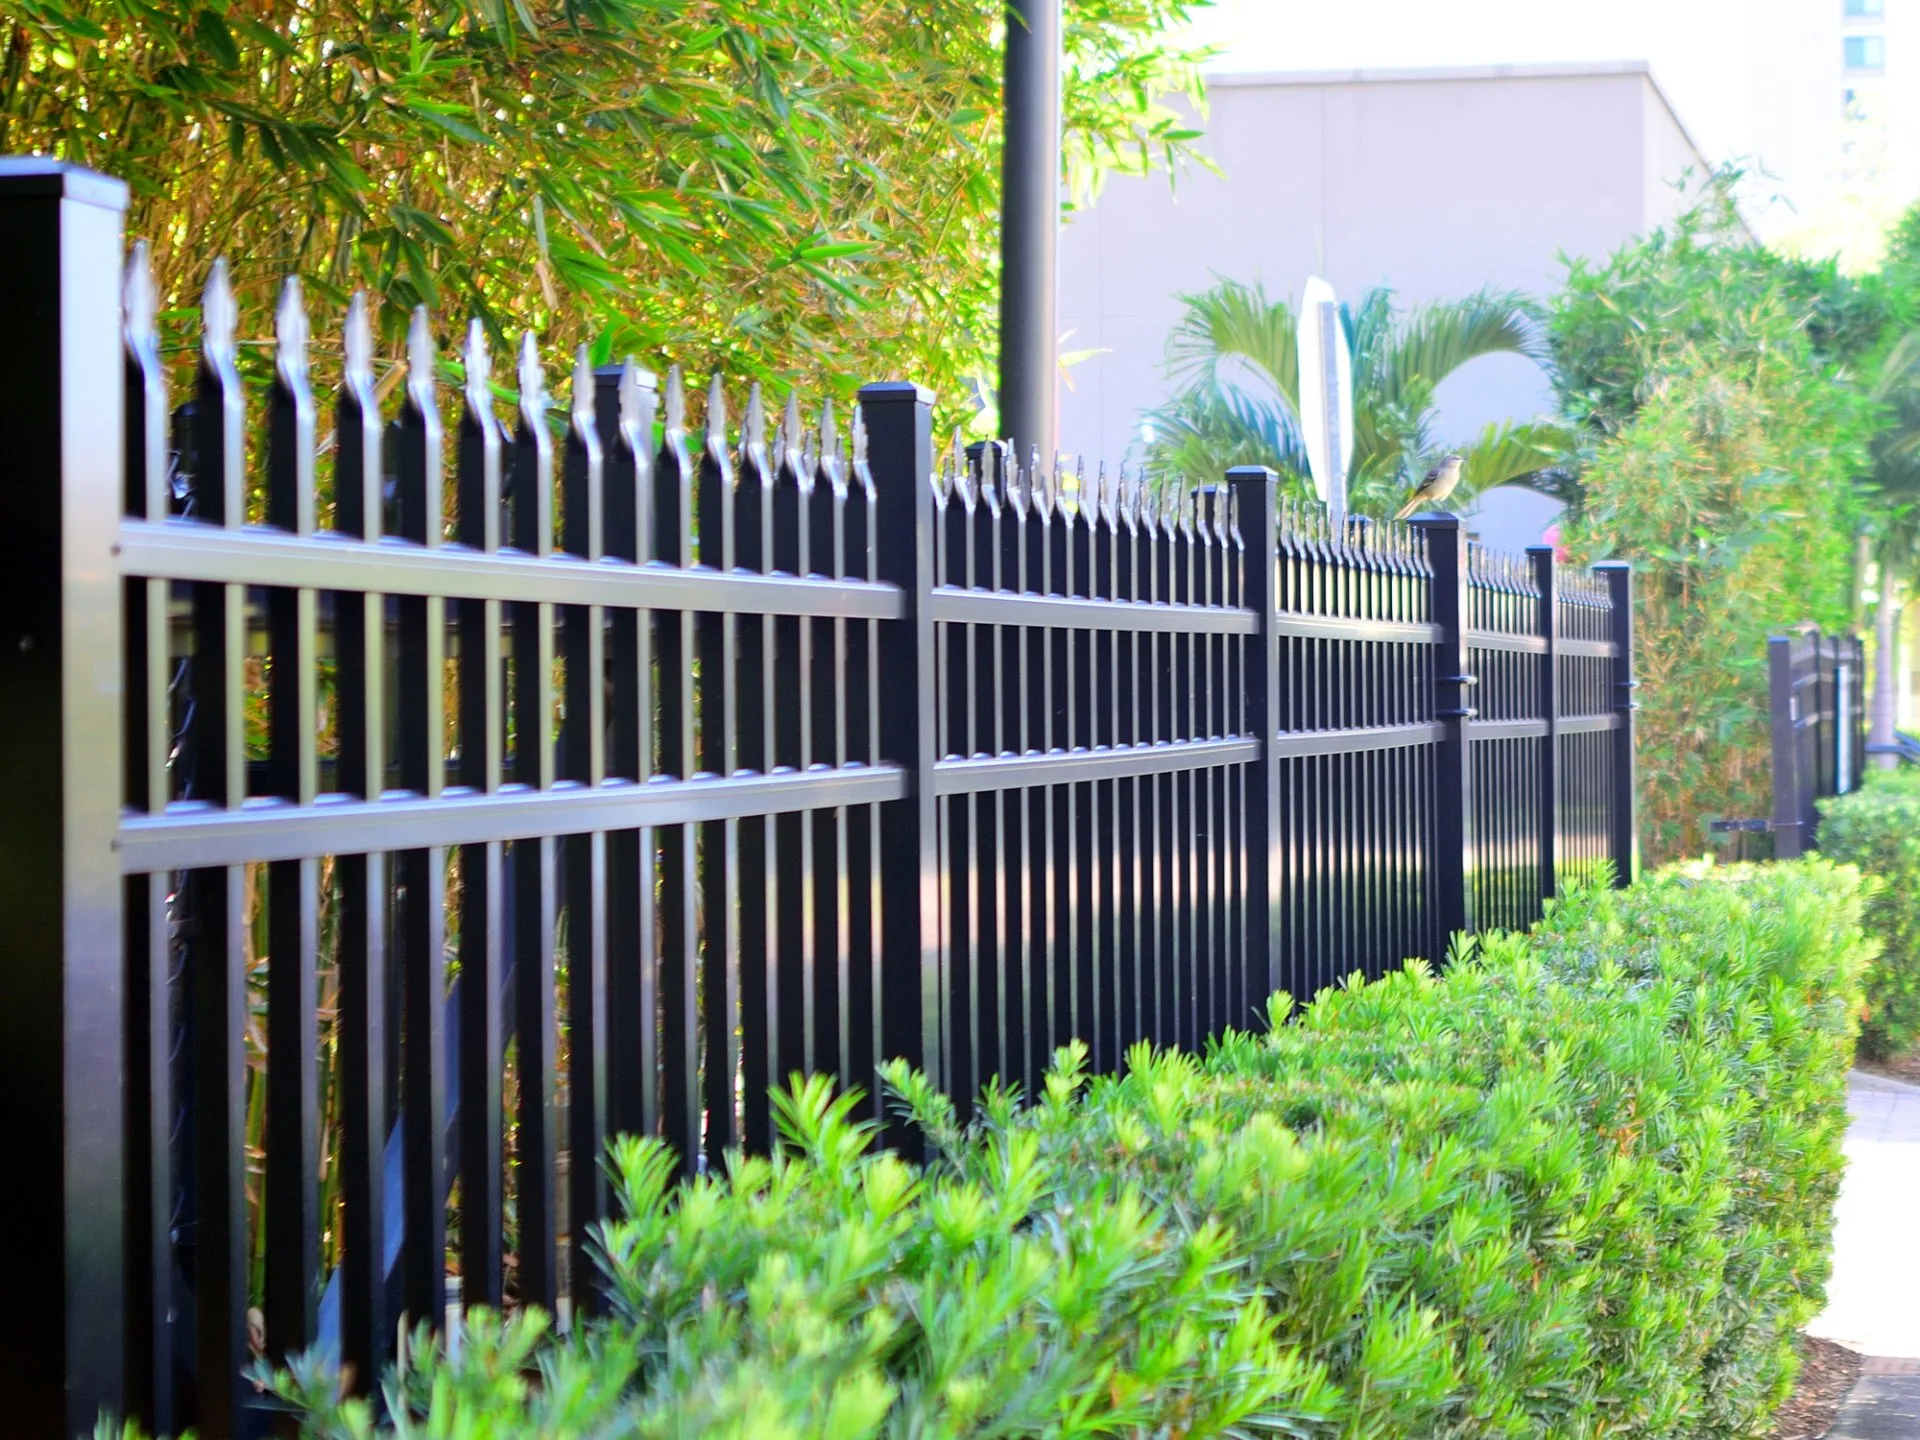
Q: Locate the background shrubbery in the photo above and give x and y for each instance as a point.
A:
(1581, 1186)
(1878, 829)
(1720, 390)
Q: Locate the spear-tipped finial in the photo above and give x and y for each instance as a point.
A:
(1012, 483)
(581, 392)
(753, 425)
(676, 399)
(138, 302)
(632, 410)
(792, 427)
(829, 432)
(859, 437)
(357, 341)
(533, 382)
(290, 335)
(477, 360)
(954, 462)
(420, 358)
(941, 478)
(716, 421)
(218, 314)
(992, 482)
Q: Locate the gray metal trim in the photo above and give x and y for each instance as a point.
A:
(197, 837)
(980, 773)
(1303, 743)
(1498, 640)
(985, 607)
(184, 550)
(1391, 632)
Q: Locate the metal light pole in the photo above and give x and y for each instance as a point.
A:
(1029, 225)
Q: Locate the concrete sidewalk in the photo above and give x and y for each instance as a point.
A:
(1873, 1300)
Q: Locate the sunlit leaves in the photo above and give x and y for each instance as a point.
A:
(802, 191)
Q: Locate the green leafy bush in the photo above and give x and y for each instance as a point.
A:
(1878, 829)
(1717, 383)
(1581, 1186)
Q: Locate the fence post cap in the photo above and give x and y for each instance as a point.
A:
(895, 392)
(37, 177)
(1613, 565)
(1436, 520)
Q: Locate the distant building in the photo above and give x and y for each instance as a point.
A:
(1836, 122)
(1434, 182)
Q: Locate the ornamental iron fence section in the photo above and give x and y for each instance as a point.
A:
(408, 799)
(1818, 713)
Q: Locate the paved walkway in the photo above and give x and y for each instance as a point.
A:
(1873, 1299)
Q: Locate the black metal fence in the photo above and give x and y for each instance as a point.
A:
(600, 786)
(1818, 706)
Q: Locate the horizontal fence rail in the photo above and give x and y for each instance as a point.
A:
(413, 796)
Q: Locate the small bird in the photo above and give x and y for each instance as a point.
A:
(1437, 485)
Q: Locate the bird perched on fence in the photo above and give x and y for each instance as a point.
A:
(1437, 485)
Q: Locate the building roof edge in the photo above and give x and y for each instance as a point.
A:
(1229, 79)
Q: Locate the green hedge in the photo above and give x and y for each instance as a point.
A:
(1580, 1187)
(1878, 829)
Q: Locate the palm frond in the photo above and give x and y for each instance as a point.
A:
(1517, 454)
(1437, 339)
(1204, 433)
(1235, 323)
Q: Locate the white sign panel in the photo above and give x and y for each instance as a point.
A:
(1326, 394)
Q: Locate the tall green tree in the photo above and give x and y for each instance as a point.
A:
(1889, 508)
(1890, 518)
(794, 190)
(1233, 354)
(1719, 389)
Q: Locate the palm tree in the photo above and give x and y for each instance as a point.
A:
(1233, 356)
(1892, 494)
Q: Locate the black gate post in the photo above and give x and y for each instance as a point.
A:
(1257, 514)
(1623, 813)
(1453, 855)
(1788, 842)
(62, 1046)
(911, 972)
(1547, 623)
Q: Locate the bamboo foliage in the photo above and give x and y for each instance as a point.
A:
(794, 188)
(1726, 428)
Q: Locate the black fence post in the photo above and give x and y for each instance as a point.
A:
(1547, 623)
(1257, 513)
(1857, 721)
(899, 423)
(1453, 858)
(62, 1052)
(1623, 813)
(1788, 842)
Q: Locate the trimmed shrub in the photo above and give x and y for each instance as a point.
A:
(1878, 829)
(1581, 1186)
